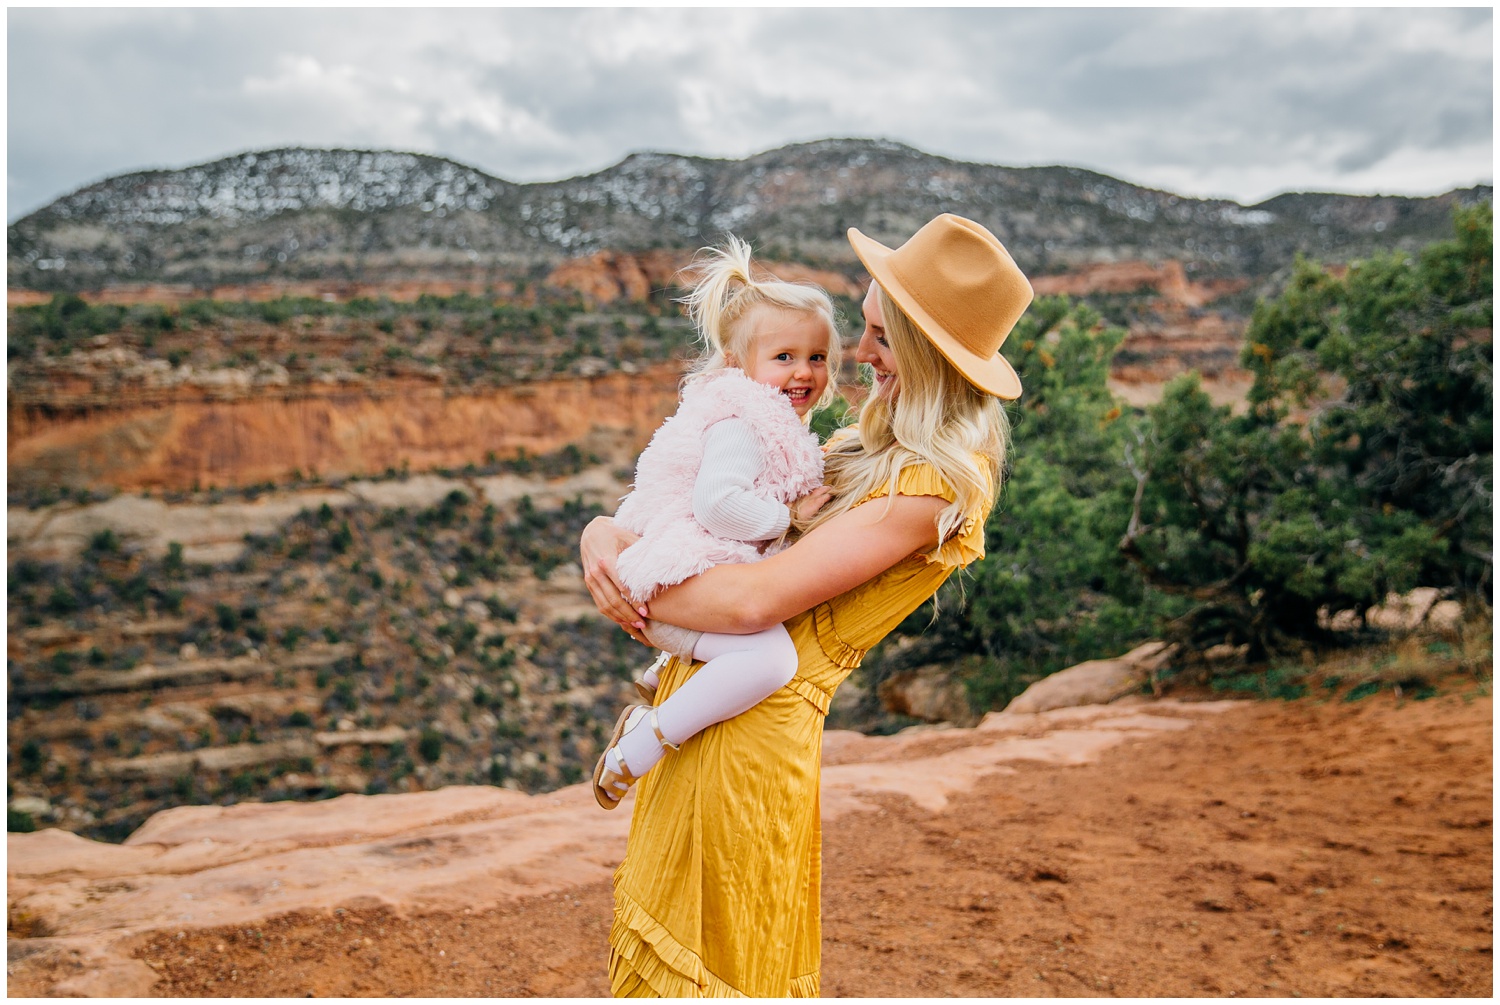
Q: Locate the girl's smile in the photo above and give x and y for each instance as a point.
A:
(790, 353)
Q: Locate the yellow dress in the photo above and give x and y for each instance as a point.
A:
(718, 895)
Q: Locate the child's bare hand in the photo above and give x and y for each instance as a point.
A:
(804, 508)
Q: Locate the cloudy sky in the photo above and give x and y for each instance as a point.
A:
(1237, 103)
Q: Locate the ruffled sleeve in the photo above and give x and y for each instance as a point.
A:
(963, 547)
(839, 435)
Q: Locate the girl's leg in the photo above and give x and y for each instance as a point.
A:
(742, 670)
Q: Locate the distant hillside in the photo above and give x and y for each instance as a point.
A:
(379, 216)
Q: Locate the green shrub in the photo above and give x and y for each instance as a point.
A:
(1265, 518)
(62, 600)
(430, 745)
(104, 542)
(32, 757)
(227, 617)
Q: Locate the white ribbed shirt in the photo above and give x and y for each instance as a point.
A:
(723, 500)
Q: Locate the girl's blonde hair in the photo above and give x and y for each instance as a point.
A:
(727, 296)
(936, 416)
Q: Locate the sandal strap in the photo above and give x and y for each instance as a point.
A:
(660, 737)
(622, 774)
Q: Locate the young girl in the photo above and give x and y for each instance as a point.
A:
(724, 480)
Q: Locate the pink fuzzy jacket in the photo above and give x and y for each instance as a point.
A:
(673, 545)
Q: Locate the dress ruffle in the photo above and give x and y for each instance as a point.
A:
(645, 961)
(832, 644)
(962, 548)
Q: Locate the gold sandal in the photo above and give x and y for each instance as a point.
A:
(606, 778)
(647, 691)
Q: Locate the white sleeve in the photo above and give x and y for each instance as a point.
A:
(722, 498)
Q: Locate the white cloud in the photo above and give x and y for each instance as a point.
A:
(1242, 103)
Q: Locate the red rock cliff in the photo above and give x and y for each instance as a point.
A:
(191, 439)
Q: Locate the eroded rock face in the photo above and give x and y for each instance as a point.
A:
(1168, 280)
(608, 277)
(177, 444)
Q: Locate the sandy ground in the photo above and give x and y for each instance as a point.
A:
(1304, 848)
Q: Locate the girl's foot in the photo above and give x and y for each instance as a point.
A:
(612, 775)
(672, 639)
(650, 678)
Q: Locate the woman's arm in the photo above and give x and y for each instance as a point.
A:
(841, 554)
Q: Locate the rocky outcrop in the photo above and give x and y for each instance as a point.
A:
(1422, 608)
(930, 693)
(183, 439)
(463, 847)
(608, 277)
(1096, 682)
(1167, 280)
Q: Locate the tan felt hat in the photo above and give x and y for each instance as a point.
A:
(958, 283)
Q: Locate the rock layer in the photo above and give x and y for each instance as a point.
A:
(193, 440)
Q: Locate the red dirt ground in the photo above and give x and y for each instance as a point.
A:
(1279, 849)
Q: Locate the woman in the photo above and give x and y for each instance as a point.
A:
(719, 891)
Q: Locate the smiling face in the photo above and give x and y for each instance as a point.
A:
(873, 347)
(789, 351)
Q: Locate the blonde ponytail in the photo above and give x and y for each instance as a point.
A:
(725, 299)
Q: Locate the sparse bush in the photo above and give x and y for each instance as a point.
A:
(62, 600)
(104, 542)
(32, 757)
(227, 617)
(430, 745)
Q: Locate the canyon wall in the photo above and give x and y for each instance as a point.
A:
(84, 432)
(194, 440)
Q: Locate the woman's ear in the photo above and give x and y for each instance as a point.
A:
(729, 360)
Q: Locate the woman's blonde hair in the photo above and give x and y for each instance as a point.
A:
(726, 297)
(935, 415)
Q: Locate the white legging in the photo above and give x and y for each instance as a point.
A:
(742, 670)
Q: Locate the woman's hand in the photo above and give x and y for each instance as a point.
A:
(598, 549)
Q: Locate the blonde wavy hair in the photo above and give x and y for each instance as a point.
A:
(935, 415)
(727, 297)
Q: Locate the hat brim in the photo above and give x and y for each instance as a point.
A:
(991, 374)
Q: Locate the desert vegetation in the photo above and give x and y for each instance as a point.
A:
(462, 340)
(369, 650)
